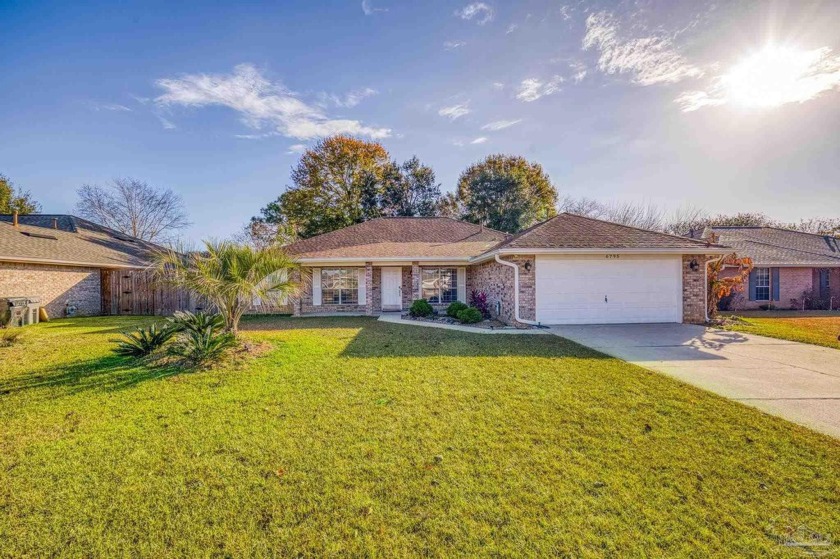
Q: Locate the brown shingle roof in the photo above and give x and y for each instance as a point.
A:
(400, 237)
(75, 241)
(772, 246)
(570, 231)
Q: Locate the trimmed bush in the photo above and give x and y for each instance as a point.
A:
(421, 307)
(470, 315)
(143, 341)
(454, 308)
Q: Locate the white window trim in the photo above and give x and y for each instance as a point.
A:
(769, 285)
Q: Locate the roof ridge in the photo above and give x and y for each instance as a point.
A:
(696, 241)
(783, 229)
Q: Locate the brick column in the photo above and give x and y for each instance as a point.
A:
(368, 288)
(694, 289)
(415, 280)
(295, 299)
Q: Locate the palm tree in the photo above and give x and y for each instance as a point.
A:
(230, 276)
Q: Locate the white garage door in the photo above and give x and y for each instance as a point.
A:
(608, 289)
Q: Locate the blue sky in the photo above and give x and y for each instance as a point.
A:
(730, 106)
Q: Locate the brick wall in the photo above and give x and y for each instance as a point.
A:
(305, 299)
(694, 289)
(497, 281)
(54, 285)
(792, 283)
(407, 283)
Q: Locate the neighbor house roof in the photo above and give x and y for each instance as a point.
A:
(70, 240)
(408, 238)
(578, 233)
(772, 246)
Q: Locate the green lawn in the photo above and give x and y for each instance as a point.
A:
(351, 437)
(810, 328)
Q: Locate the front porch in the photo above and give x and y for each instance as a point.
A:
(371, 288)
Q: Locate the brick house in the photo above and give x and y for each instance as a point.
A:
(566, 270)
(791, 268)
(72, 263)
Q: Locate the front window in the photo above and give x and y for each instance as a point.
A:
(339, 286)
(762, 284)
(440, 285)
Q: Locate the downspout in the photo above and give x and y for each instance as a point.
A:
(516, 292)
(706, 286)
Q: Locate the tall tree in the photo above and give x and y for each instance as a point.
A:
(410, 190)
(336, 183)
(507, 193)
(135, 208)
(15, 200)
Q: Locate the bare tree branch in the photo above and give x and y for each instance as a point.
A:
(135, 208)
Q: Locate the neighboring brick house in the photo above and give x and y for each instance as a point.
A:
(71, 263)
(566, 270)
(791, 270)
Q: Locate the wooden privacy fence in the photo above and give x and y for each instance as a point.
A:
(137, 292)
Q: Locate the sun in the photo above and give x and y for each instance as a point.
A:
(772, 77)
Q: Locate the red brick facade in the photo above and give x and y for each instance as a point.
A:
(55, 286)
(497, 281)
(694, 288)
(793, 282)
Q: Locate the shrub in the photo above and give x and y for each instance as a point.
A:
(9, 336)
(201, 337)
(421, 307)
(478, 299)
(143, 341)
(470, 315)
(200, 346)
(454, 308)
(196, 322)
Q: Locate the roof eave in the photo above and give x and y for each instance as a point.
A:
(50, 261)
(561, 251)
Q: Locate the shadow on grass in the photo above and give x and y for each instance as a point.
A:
(109, 372)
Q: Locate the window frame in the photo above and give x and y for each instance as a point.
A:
(443, 295)
(345, 295)
(759, 283)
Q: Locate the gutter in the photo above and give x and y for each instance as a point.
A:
(516, 292)
(17, 259)
(583, 251)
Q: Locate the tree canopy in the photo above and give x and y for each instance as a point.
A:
(15, 200)
(507, 193)
(341, 181)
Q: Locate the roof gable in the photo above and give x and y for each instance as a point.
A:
(571, 231)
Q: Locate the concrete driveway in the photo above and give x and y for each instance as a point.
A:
(798, 382)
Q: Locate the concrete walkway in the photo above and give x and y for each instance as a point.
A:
(798, 382)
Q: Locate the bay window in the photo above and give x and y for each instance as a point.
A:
(440, 285)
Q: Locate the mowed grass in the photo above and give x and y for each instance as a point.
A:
(354, 438)
(817, 330)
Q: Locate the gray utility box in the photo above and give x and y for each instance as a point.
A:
(19, 311)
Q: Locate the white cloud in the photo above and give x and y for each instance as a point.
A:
(479, 10)
(452, 45)
(498, 85)
(350, 99)
(533, 88)
(579, 71)
(369, 10)
(260, 103)
(479, 140)
(769, 78)
(455, 111)
(650, 60)
(511, 28)
(458, 143)
(109, 107)
(165, 122)
(296, 148)
(500, 124)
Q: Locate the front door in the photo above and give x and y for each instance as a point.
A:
(391, 289)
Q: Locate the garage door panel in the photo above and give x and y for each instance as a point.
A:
(573, 291)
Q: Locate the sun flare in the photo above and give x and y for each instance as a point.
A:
(776, 75)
